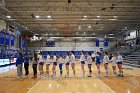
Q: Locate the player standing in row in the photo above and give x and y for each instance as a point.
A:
(82, 59)
(54, 65)
(98, 62)
(48, 64)
(105, 61)
(67, 60)
(41, 62)
(114, 60)
(119, 62)
(89, 62)
(73, 62)
(60, 60)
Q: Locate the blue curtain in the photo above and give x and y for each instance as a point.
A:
(2, 38)
(97, 43)
(7, 39)
(12, 40)
(105, 43)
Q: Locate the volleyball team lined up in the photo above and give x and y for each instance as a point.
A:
(71, 60)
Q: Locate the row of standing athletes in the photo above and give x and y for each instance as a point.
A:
(70, 59)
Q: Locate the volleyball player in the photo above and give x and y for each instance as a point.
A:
(113, 60)
(105, 61)
(41, 63)
(26, 64)
(73, 62)
(34, 65)
(82, 59)
(60, 65)
(67, 59)
(119, 63)
(89, 62)
(48, 64)
(54, 65)
(93, 57)
(98, 62)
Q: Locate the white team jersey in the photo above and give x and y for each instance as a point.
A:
(67, 59)
(40, 58)
(54, 58)
(82, 58)
(60, 60)
(72, 57)
(106, 59)
(119, 58)
(89, 60)
(48, 59)
(113, 60)
(93, 55)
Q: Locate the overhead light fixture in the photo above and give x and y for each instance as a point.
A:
(115, 16)
(85, 16)
(8, 16)
(89, 26)
(37, 16)
(49, 16)
(101, 27)
(98, 16)
(111, 34)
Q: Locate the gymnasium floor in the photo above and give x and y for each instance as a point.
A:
(129, 84)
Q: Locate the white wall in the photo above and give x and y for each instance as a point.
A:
(2, 25)
(67, 46)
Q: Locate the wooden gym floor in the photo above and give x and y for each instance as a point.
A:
(129, 84)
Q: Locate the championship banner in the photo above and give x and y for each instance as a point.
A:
(7, 39)
(12, 40)
(2, 36)
(97, 43)
(105, 43)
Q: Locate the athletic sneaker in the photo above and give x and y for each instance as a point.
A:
(74, 76)
(89, 75)
(60, 76)
(83, 76)
(118, 75)
(66, 76)
(121, 75)
(105, 75)
(98, 76)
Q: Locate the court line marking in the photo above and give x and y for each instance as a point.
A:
(33, 86)
(106, 86)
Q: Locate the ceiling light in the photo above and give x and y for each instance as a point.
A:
(85, 16)
(8, 16)
(89, 26)
(37, 16)
(115, 16)
(49, 16)
(98, 16)
(101, 27)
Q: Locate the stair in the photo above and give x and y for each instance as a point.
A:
(133, 58)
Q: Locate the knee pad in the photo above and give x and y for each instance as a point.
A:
(90, 71)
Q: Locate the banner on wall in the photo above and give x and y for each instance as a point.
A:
(22, 42)
(2, 36)
(12, 40)
(7, 39)
(97, 43)
(105, 43)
